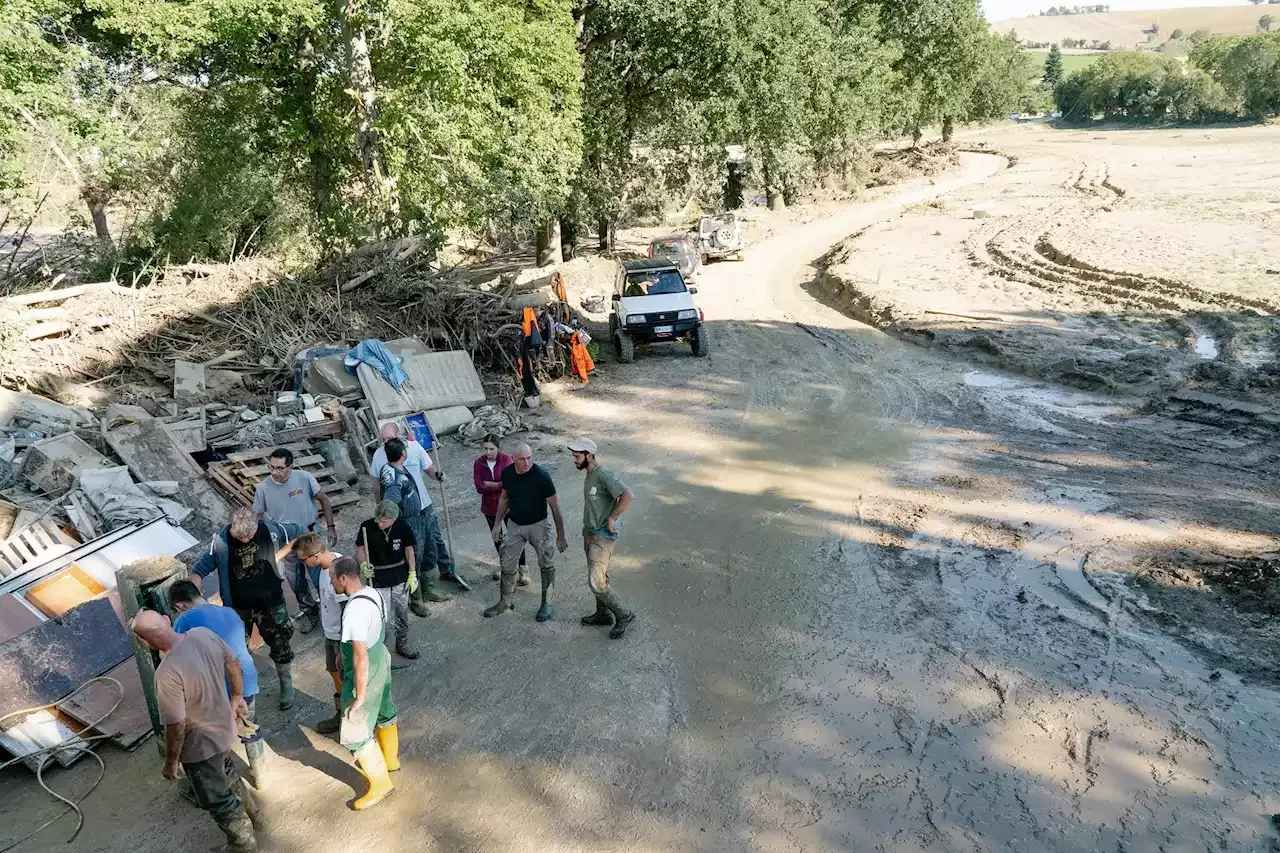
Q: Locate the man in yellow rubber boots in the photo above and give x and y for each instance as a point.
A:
(368, 714)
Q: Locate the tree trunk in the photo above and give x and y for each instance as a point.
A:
(733, 185)
(568, 237)
(318, 156)
(377, 180)
(771, 194)
(549, 243)
(948, 128)
(604, 230)
(98, 212)
(916, 134)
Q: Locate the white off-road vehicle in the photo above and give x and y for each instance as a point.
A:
(652, 304)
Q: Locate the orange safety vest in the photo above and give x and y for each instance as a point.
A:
(579, 358)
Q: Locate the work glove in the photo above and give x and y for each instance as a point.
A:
(333, 536)
(366, 571)
(413, 582)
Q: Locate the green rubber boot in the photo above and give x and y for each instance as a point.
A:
(506, 599)
(546, 611)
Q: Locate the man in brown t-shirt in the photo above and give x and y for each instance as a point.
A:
(199, 710)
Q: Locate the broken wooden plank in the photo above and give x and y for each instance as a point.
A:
(129, 724)
(322, 429)
(264, 452)
(260, 471)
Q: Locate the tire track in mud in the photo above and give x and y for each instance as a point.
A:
(1023, 252)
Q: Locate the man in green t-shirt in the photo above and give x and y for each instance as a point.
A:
(605, 499)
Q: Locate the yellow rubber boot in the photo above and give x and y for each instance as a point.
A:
(374, 767)
(389, 740)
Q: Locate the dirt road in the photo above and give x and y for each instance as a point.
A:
(875, 615)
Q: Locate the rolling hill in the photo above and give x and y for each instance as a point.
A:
(1126, 29)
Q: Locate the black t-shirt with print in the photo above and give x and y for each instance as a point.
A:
(386, 548)
(251, 570)
(527, 494)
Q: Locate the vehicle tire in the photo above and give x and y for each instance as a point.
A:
(701, 341)
(625, 347)
(613, 324)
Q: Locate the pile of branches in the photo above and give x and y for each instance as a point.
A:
(901, 164)
(245, 317)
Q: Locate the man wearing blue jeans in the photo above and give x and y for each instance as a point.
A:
(396, 484)
(194, 612)
(418, 465)
(289, 497)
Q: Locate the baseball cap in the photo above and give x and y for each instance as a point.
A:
(582, 445)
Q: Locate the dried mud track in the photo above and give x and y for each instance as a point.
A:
(1023, 251)
(878, 661)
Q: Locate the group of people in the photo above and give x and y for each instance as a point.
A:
(207, 683)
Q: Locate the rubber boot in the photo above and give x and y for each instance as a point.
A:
(602, 616)
(249, 800)
(256, 752)
(622, 617)
(374, 767)
(507, 595)
(389, 742)
(405, 650)
(284, 671)
(416, 603)
(240, 835)
(524, 577)
(546, 611)
(334, 723)
(430, 591)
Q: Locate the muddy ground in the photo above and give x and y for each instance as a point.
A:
(889, 600)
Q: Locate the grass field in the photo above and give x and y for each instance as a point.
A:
(1071, 62)
(1126, 29)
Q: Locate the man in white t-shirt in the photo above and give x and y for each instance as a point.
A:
(368, 714)
(311, 551)
(418, 465)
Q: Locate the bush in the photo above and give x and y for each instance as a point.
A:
(1247, 68)
(1128, 84)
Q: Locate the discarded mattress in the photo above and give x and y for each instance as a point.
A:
(329, 375)
(437, 380)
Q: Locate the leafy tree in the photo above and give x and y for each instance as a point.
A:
(1053, 67)
(1176, 34)
(1248, 69)
(1264, 24)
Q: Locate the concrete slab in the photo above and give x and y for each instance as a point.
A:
(53, 464)
(190, 385)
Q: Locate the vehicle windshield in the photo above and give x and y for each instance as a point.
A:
(662, 248)
(654, 283)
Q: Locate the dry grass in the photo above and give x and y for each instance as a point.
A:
(1126, 29)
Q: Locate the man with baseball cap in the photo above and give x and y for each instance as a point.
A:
(605, 499)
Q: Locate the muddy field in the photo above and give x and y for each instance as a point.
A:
(891, 598)
(1132, 261)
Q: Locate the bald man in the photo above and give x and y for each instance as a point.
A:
(430, 549)
(200, 695)
(527, 494)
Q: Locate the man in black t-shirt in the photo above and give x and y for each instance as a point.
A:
(527, 495)
(387, 542)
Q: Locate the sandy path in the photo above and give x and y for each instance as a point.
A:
(863, 627)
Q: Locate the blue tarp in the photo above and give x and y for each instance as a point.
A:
(374, 353)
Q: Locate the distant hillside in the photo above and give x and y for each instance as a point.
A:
(1125, 29)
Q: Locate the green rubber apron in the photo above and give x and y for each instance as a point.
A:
(378, 709)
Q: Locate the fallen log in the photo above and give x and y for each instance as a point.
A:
(58, 327)
(65, 293)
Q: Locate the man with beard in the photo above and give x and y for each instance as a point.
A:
(604, 499)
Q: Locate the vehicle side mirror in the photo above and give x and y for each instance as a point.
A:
(693, 289)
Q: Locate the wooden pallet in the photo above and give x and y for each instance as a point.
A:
(239, 476)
